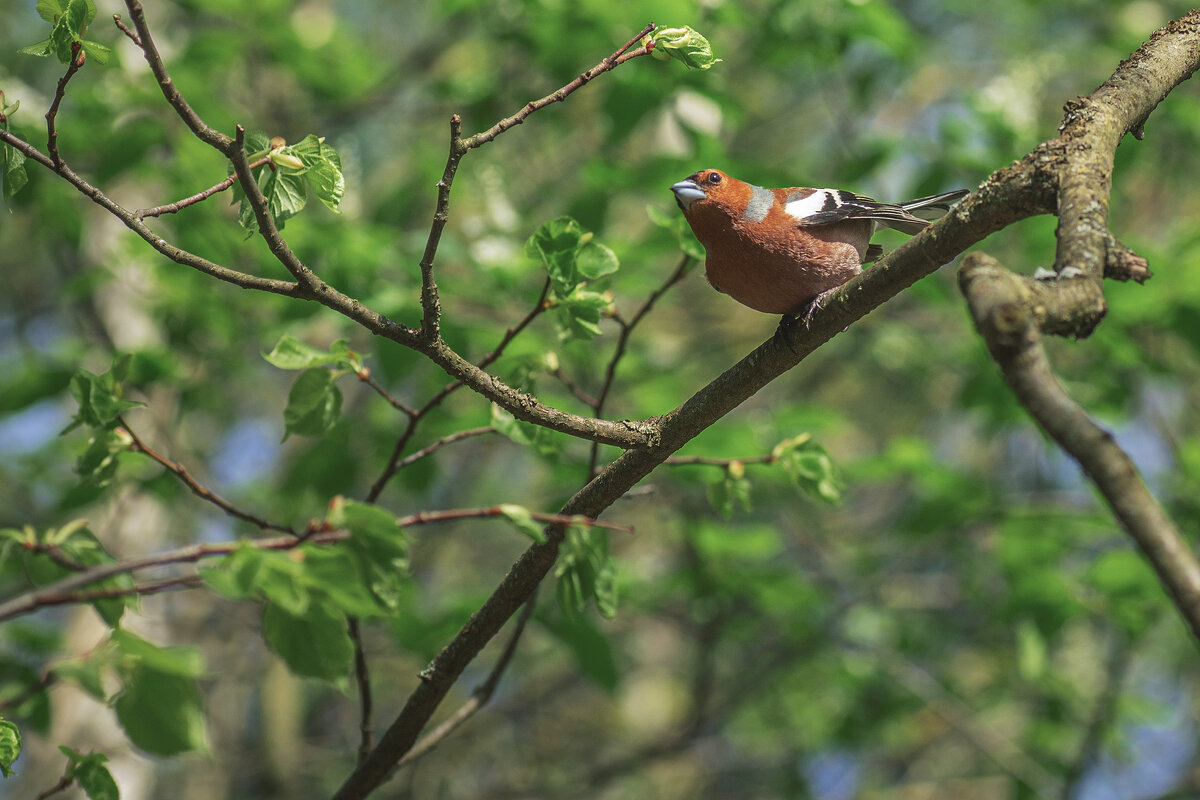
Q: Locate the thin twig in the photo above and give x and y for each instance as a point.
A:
(77, 59)
(479, 698)
(63, 783)
(395, 463)
(198, 489)
(205, 133)
(680, 461)
(179, 205)
(610, 371)
(365, 376)
(125, 29)
(55, 593)
(573, 387)
(362, 677)
(440, 443)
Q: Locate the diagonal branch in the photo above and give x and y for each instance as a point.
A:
(1014, 340)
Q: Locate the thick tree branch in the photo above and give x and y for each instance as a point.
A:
(999, 306)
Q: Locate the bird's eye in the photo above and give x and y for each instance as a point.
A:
(714, 177)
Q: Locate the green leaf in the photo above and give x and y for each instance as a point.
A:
(323, 170)
(96, 51)
(99, 396)
(594, 260)
(41, 49)
(523, 521)
(160, 711)
(317, 645)
(291, 353)
(580, 313)
(682, 44)
(525, 433)
(252, 573)
(15, 176)
(732, 490)
(10, 746)
(376, 544)
(97, 465)
(592, 651)
(586, 572)
(556, 244)
(91, 774)
(314, 404)
(78, 544)
(810, 467)
(86, 673)
(138, 653)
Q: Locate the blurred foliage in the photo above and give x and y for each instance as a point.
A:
(765, 644)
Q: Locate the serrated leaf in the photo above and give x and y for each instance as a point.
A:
(523, 521)
(42, 49)
(314, 404)
(10, 746)
(556, 244)
(161, 712)
(323, 170)
(96, 51)
(580, 313)
(683, 44)
(91, 774)
(317, 645)
(15, 176)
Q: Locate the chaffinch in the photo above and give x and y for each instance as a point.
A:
(782, 250)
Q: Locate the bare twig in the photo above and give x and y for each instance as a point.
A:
(610, 372)
(479, 698)
(362, 677)
(199, 127)
(179, 205)
(125, 29)
(198, 489)
(77, 59)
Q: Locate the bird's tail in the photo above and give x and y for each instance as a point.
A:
(934, 206)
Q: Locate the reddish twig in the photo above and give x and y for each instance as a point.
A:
(364, 375)
(573, 387)
(679, 461)
(178, 205)
(201, 491)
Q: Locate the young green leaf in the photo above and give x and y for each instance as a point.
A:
(323, 170)
(291, 353)
(91, 774)
(810, 467)
(580, 313)
(594, 260)
(317, 645)
(314, 404)
(376, 545)
(97, 465)
(682, 44)
(136, 652)
(160, 711)
(10, 746)
(523, 521)
(732, 490)
(14, 173)
(99, 396)
(586, 572)
(556, 244)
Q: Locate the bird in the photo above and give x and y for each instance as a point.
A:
(782, 251)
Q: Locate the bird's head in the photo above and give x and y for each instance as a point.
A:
(705, 186)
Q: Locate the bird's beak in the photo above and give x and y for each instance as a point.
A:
(686, 193)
